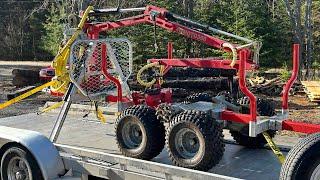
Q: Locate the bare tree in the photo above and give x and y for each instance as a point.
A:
(295, 19)
(42, 6)
(308, 26)
(302, 34)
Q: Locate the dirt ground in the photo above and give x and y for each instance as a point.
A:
(29, 105)
(300, 108)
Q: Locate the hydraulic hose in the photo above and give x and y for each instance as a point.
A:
(234, 52)
(142, 70)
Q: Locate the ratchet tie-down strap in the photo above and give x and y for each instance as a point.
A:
(98, 111)
(274, 147)
(52, 107)
(25, 95)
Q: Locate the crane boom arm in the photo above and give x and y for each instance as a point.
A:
(163, 18)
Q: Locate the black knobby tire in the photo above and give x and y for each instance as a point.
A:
(265, 107)
(150, 129)
(227, 95)
(209, 137)
(198, 97)
(244, 139)
(303, 160)
(19, 154)
(243, 101)
(165, 112)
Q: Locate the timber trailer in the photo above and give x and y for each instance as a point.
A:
(98, 68)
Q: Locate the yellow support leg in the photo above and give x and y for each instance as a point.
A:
(100, 116)
(274, 147)
(99, 113)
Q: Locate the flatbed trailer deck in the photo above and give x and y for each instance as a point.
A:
(88, 136)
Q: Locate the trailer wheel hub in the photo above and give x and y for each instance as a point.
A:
(132, 134)
(20, 175)
(187, 143)
(18, 169)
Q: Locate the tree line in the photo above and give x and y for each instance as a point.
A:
(33, 30)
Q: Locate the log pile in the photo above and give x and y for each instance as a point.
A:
(25, 77)
(187, 73)
(192, 79)
(184, 86)
(271, 87)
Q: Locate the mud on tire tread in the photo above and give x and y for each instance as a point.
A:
(212, 135)
(155, 132)
(302, 159)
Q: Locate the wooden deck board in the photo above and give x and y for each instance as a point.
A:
(312, 89)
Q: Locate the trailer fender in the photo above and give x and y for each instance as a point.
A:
(43, 150)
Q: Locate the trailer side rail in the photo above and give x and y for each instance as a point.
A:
(114, 166)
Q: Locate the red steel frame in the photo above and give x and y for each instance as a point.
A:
(237, 117)
(293, 77)
(93, 30)
(105, 71)
(244, 63)
(289, 124)
(201, 63)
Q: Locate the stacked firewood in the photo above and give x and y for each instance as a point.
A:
(271, 87)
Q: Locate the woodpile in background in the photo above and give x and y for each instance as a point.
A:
(25, 77)
(271, 87)
(312, 89)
